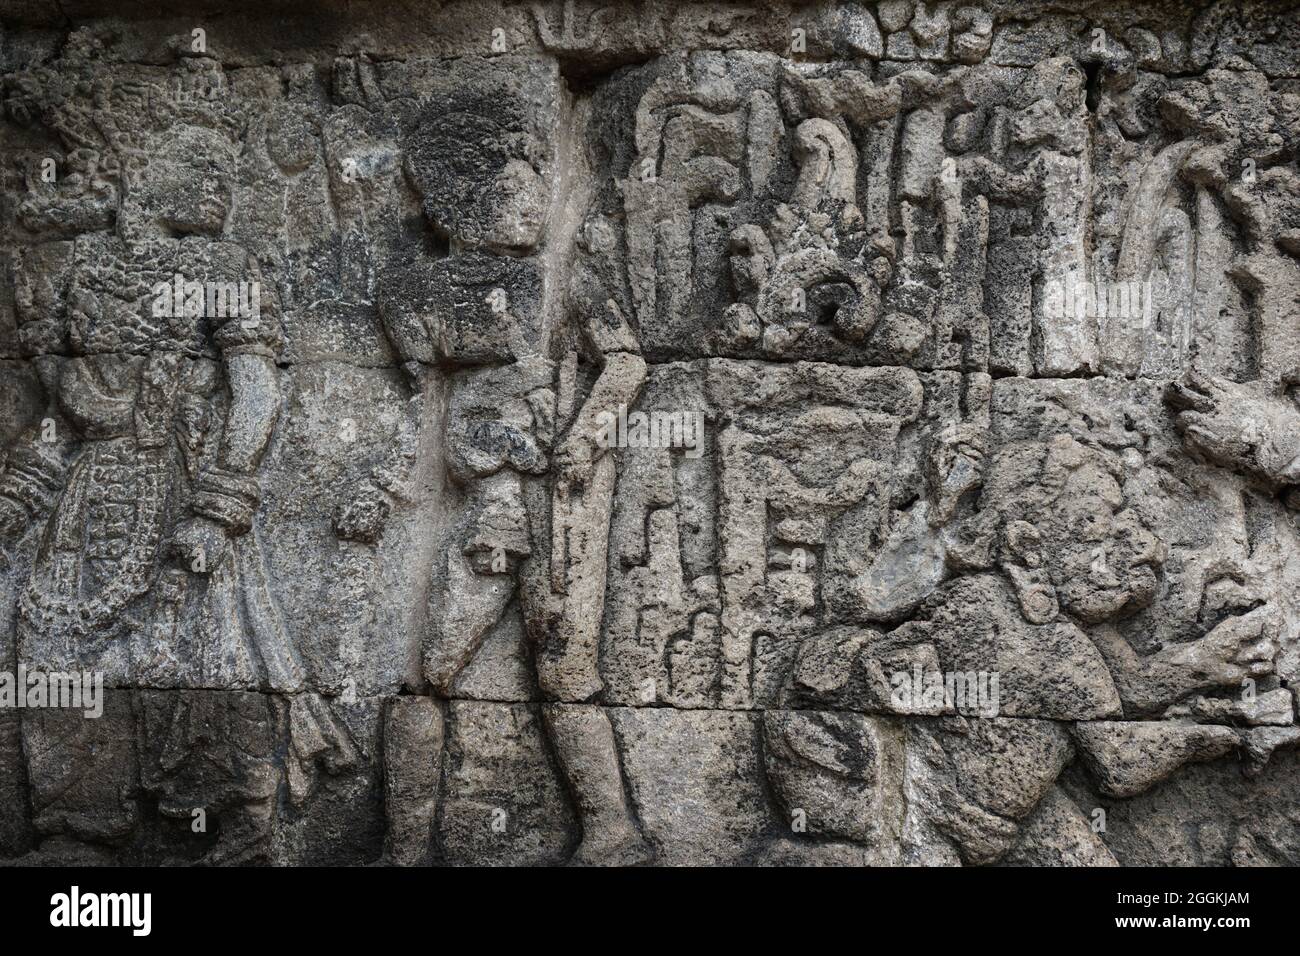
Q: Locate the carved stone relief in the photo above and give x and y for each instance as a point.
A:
(624, 433)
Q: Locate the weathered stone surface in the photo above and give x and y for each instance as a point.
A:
(1058, 834)
(1128, 758)
(83, 772)
(661, 433)
(414, 735)
(502, 800)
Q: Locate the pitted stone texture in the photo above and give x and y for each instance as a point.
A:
(677, 433)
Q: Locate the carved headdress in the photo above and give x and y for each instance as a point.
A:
(114, 122)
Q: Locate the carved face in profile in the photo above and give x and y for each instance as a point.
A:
(1051, 101)
(1101, 559)
(476, 176)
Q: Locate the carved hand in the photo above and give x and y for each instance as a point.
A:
(1237, 426)
(1237, 648)
(574, 458)
(200, 544)
(362, 516)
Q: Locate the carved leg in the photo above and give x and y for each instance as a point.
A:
(414, 736)
(588, 755)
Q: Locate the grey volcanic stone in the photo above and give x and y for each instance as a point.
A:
(482, 432)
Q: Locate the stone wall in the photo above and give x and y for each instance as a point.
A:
(728, 433)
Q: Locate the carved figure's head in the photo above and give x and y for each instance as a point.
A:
(182, 184)
(1051, 106)
(1067, 535)
(478, 177)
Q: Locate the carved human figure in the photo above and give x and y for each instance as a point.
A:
(159, 360)
(1075, 559)
(499, 431)
(498, 437)
(1053, 557)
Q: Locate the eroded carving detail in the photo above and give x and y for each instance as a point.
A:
(833, 433)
